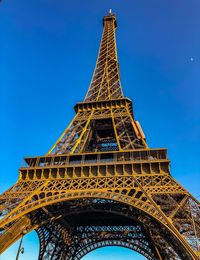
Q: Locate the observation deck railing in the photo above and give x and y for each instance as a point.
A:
(98, 158)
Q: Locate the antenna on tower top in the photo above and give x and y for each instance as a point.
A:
(110, 11)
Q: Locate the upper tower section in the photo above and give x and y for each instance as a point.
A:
(105, 83)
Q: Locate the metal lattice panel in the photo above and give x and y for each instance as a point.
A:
(105, 82)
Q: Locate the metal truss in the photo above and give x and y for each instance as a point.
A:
(88, 238)
(100, 184)
(105, 84)
(101, 126)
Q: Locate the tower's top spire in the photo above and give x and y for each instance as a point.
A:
(110, 16)
(105, 84)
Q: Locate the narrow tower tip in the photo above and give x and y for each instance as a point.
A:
(110, 11)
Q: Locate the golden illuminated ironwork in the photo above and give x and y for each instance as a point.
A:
(100, 184)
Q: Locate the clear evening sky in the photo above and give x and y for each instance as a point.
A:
(48, 51)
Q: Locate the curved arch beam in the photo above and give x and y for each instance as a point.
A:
(105, 243)
(146, 206)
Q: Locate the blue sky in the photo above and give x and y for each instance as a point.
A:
(48, 51)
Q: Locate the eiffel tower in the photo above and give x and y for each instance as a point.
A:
(100, 184)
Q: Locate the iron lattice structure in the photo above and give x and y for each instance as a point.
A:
(100, 184)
